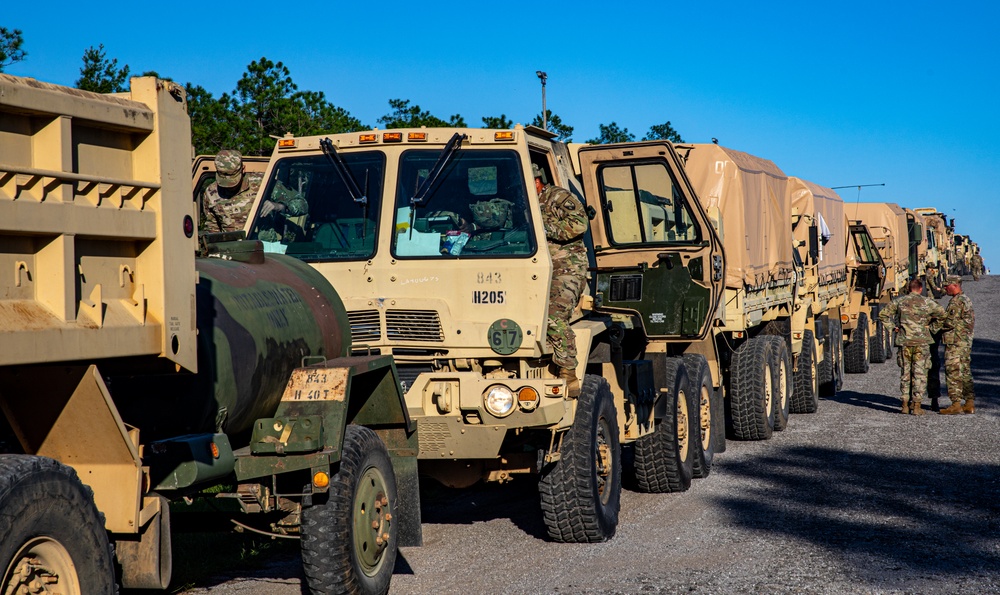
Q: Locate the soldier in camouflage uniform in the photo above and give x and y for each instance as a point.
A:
(227, 201)
(565, 221)
(911, 316)
(958, 327)
(931, 274)
(977, 266)
(276, 213)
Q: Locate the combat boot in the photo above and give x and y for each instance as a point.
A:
(572, 382)
(916, 408)
(906, 407)
(955, 407)
(970, 406)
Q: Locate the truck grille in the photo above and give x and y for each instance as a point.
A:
(413, 325)
(408, 373)
(364, 326)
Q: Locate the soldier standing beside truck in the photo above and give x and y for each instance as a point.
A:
(565, 222)
(958, 349)
(910, 315)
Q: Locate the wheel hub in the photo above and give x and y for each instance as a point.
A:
(41, 566)
(706, 419)
(683, 434)
(603, 461)
(372, 520)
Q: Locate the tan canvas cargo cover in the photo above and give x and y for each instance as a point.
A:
(823, 206)
(887, 223)
(750, 193)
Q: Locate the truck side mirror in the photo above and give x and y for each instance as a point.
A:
(814, 243)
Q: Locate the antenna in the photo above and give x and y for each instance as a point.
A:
(859, 187)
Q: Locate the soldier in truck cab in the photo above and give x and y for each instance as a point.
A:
(565, 221)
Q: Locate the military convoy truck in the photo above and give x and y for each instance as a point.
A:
(438, 239)
(134, 375)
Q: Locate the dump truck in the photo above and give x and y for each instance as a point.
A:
(438, 236)
(135, 375)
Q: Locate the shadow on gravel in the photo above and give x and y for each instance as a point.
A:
(986, 367)
(868, 400)
(906, 514)
(517, 501)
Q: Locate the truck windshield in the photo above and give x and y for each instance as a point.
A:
(313, 215)
(476, 208)
(643, 204)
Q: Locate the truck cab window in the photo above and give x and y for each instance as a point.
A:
(644, 205)
(312, 214)
(477, 206)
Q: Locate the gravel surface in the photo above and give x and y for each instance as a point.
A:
(853, 499)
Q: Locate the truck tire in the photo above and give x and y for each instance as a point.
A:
(783, 381)
(342, 552)
(751, 400)
(700, 382)
(831, 375)
(876, 350)
(856, 353)
(581, 493)
(51, 530)
(805, 385)
(665, 459)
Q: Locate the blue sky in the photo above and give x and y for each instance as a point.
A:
(846, 93)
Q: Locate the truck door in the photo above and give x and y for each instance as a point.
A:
(658, 256)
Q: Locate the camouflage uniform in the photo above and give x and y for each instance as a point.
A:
(930, 276)
(295, 206)
(495, 213)
(977, 266)
(227, 201)
(565, 221)
(911, 316)
(958, 346)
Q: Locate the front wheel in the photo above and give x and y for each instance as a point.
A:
(53, 538)
(348, 536)
(581, 492)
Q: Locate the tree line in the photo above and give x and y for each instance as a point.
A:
(266, 103)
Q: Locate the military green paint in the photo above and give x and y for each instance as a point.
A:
(671, 304)
(186, 461)
(504, 336)
(287, 435)
(256, 324)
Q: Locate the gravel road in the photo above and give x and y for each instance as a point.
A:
(853, 499)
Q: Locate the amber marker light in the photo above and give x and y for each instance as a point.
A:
(416, 136)
(321, 479)
(215, 450)
(527, 398)
(287, 143)
(370, 137)
(503, 135)
(844, 318)
(392, 137)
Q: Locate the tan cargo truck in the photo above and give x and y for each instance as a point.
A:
(134, 375)
(438, 237)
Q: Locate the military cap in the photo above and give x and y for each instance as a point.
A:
(228, 168)
(953, 280)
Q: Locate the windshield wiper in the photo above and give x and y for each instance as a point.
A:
(345, 174)
(420, 197)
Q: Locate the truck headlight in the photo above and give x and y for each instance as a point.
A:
(499, 400)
